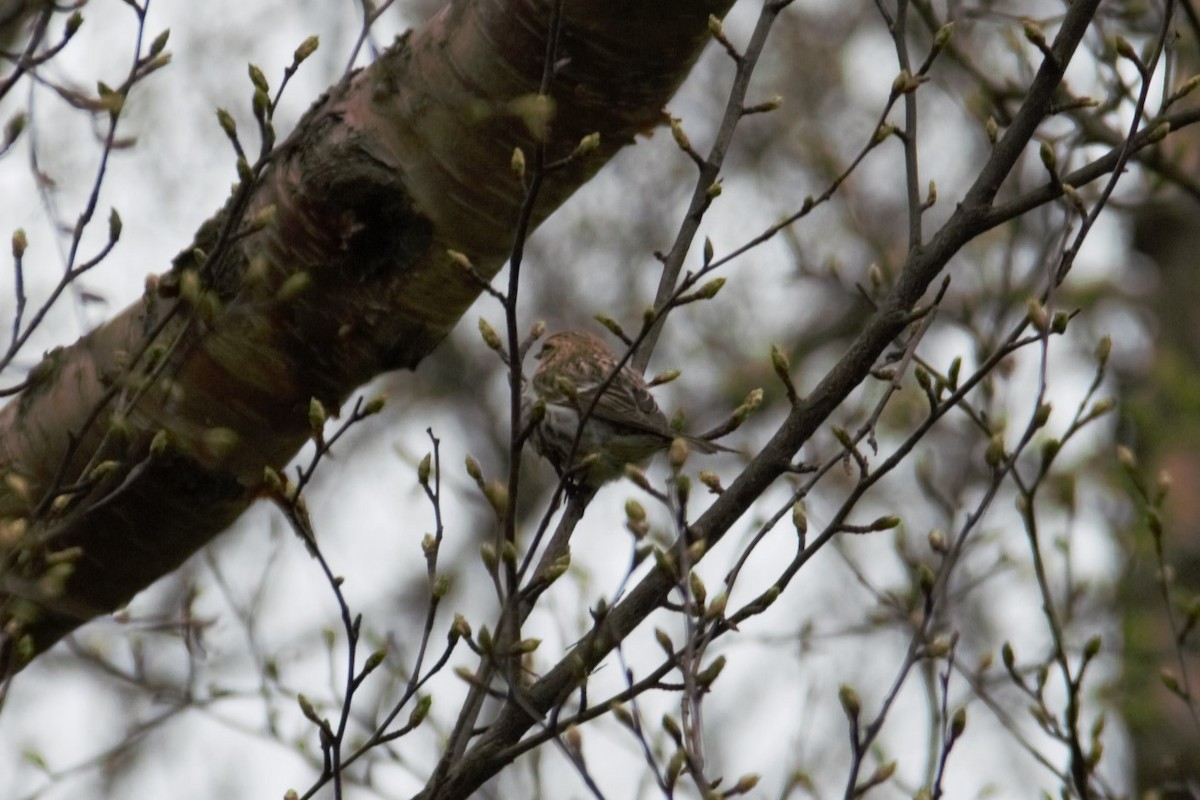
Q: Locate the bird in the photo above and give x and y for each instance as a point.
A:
(625, 425)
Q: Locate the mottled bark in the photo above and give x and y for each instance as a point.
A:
(135, 446)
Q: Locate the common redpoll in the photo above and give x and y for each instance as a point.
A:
(625, 426)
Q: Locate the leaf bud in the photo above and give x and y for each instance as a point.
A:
(306, 49)
(849, 700)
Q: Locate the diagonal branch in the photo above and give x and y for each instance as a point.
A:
(923, 266)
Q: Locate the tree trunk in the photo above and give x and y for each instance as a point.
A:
(132, 448)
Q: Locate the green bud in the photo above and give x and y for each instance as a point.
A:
(1007, 657)
(557, 568)
(995, 451)
(460, 628)
(925, 579)
(716, 609)
(697, 588)
(677, 133)
(317, 415)
(1102, 407)
(421, 710)
(745, 784)
(678, 454)
(258, 79)
(635, 474)
(907, 83)
(104, 469)
(706, 676)
(1050, 449)
(1188, 87)
(849, 700)
(675, 766)
(1049, 159)
(307, 709)
(525, 646)
(260, 104)
(683, 488)
(672, 728)
(1042, 415)
(460, 259)
(710, 289)
(942, 37)
(622, 715)
(1034, 33)
(491, 559)
(958, 723)
(508, 553)
(114, 225)
(374, 660)
(800, 519)
(665, 563)
(939, 647)
(474, 470)
(885, 523)
(1158, 132)
(923, 379)
(1125, 49)
(937, 542)
(882, 773)
(587, 145)
(1104, 348)
(306, 49)
(485, 639)
(749, 405)
(272, 479)
(496, 493)
(490, 337)
(611, 324)
(160, 42)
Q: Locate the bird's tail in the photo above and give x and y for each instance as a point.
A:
(705, 446)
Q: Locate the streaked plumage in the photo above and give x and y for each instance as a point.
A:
(625, 427)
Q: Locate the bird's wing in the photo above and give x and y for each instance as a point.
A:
(625, 402)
